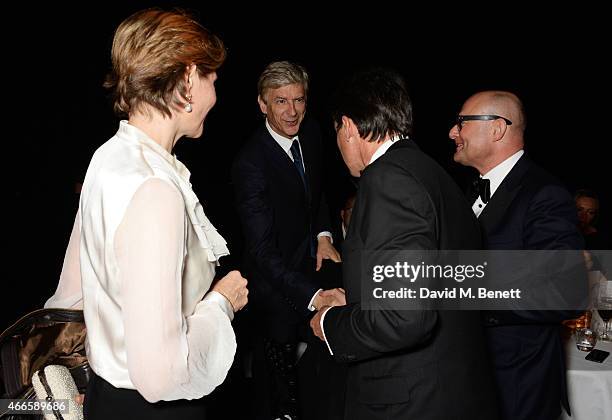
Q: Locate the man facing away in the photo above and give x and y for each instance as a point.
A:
(519, 207)
(278, 181)
(402, 364)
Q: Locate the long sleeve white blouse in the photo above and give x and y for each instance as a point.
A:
(141, 257)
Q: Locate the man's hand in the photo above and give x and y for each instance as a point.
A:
(331, 297)
(315, 323)
(325, 250)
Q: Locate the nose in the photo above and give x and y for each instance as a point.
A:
(454, 132)
(291, 109)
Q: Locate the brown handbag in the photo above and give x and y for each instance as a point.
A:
(40, 338)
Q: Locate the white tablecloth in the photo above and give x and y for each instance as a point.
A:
(589, 384)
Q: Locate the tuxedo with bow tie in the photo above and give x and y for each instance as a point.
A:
(481, 187)
(529, 210)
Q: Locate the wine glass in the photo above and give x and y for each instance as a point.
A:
(604, 308)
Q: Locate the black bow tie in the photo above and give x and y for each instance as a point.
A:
(482, 188)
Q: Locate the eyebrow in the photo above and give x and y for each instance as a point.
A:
(287, 99)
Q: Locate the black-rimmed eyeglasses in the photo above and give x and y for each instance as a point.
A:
(461, 118)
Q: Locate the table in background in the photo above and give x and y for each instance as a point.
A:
(589, 384)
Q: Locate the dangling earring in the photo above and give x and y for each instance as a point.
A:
(188, 107)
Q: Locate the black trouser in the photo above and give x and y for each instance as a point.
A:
(103, 401)
(281, 362)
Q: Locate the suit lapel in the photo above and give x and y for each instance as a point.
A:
(504, 195)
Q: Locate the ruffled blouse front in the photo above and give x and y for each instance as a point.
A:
(140, 261)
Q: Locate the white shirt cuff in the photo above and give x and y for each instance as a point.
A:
(222, 301)
(323, 330)
(311, 303)
(328, 234)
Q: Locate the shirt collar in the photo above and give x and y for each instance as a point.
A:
(283, 142)
(132, 133)
(382, 149)
(497, 174)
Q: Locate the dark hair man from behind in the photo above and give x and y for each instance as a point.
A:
(405, 201)
(380, 105)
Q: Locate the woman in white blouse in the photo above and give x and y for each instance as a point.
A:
(142, 254)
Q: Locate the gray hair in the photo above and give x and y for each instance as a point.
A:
(281, 73)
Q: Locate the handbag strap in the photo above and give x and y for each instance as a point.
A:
(43, 380)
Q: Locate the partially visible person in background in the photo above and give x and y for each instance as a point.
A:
(587, 205)
(142, 254)
(346, 213)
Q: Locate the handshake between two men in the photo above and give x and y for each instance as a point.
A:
(324, 300)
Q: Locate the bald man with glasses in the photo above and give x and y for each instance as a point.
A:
(519, 207)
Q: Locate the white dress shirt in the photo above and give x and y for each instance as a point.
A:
(495, 177)
(382, 149)
(140, 261)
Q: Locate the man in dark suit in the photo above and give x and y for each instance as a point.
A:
(403, 364)
(278, 185)
(520, 207)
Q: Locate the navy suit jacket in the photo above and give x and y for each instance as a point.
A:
(530, 210)
(280, 220)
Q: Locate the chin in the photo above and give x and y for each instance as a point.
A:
(197, 133)
(457, 158)
(194, 135)
(292, 131)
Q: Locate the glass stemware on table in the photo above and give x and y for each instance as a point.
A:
(603, 305)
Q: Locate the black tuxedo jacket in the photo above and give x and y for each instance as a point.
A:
(416, 364)
(529, 210)
(279, 220)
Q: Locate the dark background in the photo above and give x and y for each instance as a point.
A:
(56, 112)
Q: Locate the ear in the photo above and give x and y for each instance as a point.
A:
(350, 128)
(498, 129)
(190, 72)
(262, 105)
(190, 75)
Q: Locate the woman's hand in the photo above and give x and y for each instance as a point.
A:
(233, 287)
